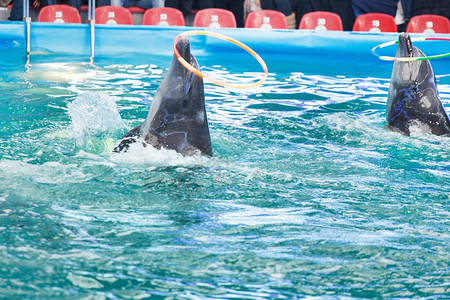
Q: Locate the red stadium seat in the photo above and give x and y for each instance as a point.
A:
(375, 22)
(59, 13)
(428, 24)
(163, 16)
(321, 20)
(113, 15)
(214, 17)
(266, 19)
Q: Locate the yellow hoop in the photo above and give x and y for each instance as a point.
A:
(225, 38)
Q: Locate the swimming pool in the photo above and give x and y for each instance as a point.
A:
(307, 194)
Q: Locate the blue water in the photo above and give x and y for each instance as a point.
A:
(307, 195)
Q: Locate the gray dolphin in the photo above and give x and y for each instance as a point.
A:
(177, 117)
(413, 98)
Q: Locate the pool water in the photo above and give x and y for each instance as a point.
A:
(307, 193)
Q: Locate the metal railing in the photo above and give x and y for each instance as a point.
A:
(27, 20)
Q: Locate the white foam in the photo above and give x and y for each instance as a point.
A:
(145, 155)
(418, 128)
(49, 172)
(140, 158)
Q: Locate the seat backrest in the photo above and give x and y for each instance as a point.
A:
(59, 13)
(266, 19)
(321, 20)
(428, 24)
(375, 22)
(214, 18)
(163, 16)
(113, 15)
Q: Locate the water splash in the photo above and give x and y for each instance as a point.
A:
(95, 120)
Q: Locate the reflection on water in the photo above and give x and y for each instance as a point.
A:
(307, 193)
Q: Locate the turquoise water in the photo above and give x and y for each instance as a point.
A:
(307, 194)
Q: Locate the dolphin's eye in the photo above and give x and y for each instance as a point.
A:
(185, 103)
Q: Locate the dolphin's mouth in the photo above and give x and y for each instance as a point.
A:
(406, 48)
(184, 49)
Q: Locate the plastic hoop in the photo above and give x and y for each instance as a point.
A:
(225, 38)
(392, 58)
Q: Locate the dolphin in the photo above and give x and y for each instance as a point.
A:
(413, 100)
(177, 116)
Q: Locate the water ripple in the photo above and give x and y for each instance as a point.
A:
(307, 195)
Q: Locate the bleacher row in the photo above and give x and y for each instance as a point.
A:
(265, 19)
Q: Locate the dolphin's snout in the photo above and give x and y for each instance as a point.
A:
(184, 49)
(405, 46)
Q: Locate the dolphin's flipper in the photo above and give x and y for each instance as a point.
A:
(129, 138)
